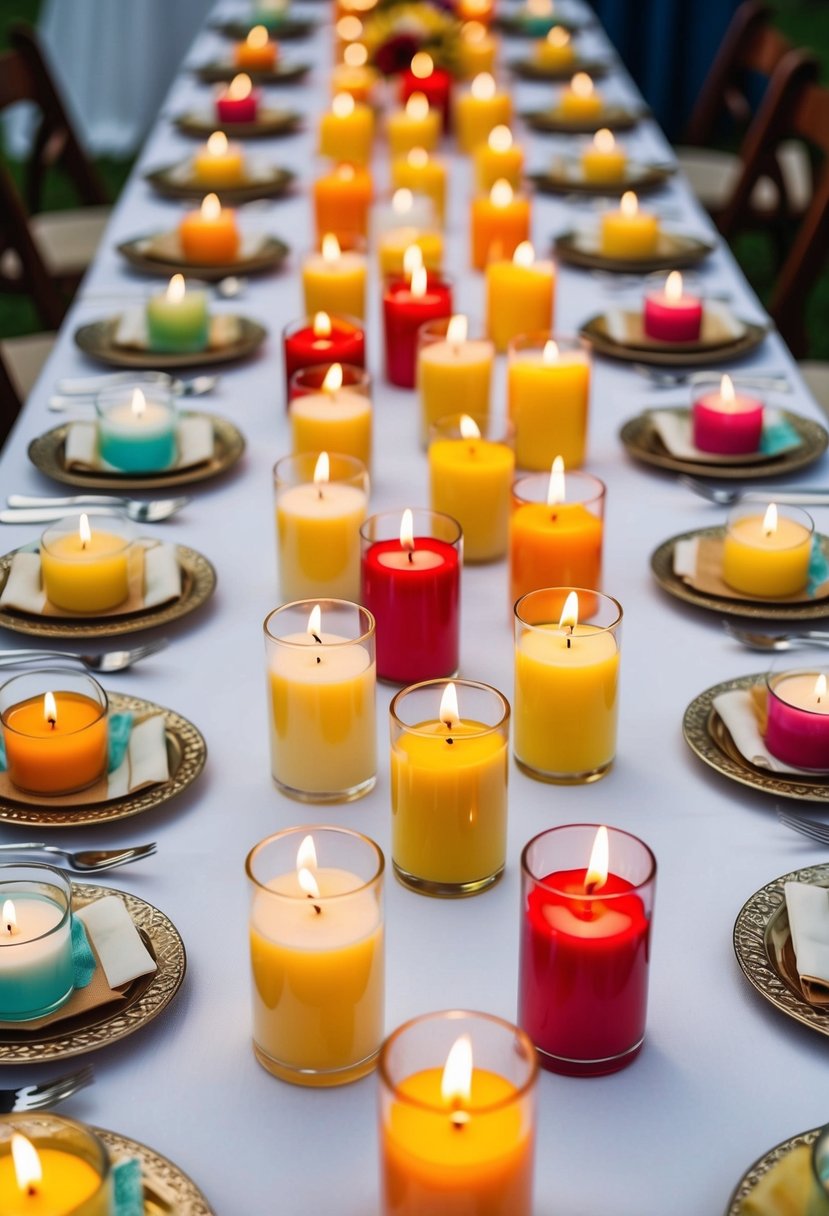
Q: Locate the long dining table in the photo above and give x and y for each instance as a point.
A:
(722, 1076)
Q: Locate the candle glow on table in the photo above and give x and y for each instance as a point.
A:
(422, 174)
(727, 423)
(520, 292)
(548, 398)
(219, 163)
(322, 339)
(47, 1170)
(451, 367)
(423, 76)
(316, 944)
(346, 131)
(585, 947)
(257, 53)
(767, 555)
(209, 235)
(334, 281)
(480, 109)
(470, 478)
(416, 125)
(580, 101)
(499, 157)
(603, 160)
(328, 414)
(407, 305)
(82, 570)
(628, 232)
(555, 52)
(797, 730)
(476, 51)
(177, 320)
(135, 434)
(342, 199)
(672, 315)
(239, 102)
(500, 222)
(36, 972)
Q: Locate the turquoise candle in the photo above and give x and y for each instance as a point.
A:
(136, 431)
(35, 942)
(177, 321)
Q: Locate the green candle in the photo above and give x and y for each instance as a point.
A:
(177, 321)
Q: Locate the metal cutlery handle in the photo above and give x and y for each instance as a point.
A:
(30, 847)
(787, 497)
(819, 639)
(88, 386)
(48, 515)
(67, 500)
(58, 404)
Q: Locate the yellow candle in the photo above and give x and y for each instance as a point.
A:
(452, 370)
(500, 222)
(555, 52)
(629, 232)
(49, 1182)
(219, 163)
(768, 555)
(414, 126)
(347, 131)
(257, 53)
(477, 50)
(335, 419)
(498, 158)
(603, 160)
(210, 234)
(354, 75)
(580, 102)
(334, 281)
(479, 110)
(471, 479)
(548, 396)
(392, 246)
(519, 296)
(422, 174)
(84, 571)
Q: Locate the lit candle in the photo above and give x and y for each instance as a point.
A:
(318, 518)
(475, 10)
(346, 131)
(55, 731)
(548, 398)
(471, 468)
(82, 570)
(580, 102)
(767, 555)
(797, 731)
(219, 163)
(422, 174)
(346, 30)
(342, 199)
(53, 1167)
(628, 232)
(177, 320)
(479, 109)
(322, 677)
(239, 102)
(257, 53)
(556, 531)
(393, 241)
(555, 52)
(566, 685)
(452, 368)
(330, 410)
(409, 303)
(411, 585)
(416, 125)
(672, 315)
(316, 947)
(498, 158)
(725, 422)
(585, 947)
(136, 434)
(405, 209)
(603, 160)
(354, 75)
(500, 222)
(422, 76)
(322, 339)
(334, 281)
(36, 975)
(519, 295)
(476, 51)
(209, 235)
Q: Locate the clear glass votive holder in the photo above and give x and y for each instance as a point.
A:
(556, 543)
(54, 728)
(548, 399)
(766, 553)
(452, 373)
(36, 974)
(137, 427)
(471, 471)
(473, 1149)
(319, 509)
(85, 566)
(322, 338)
(329, 407)
(819, 1197)
(797, 724)
(76, 1164)
(449, 786)
(566, 684)
(321, 672)
(317, 954)
(585, 948)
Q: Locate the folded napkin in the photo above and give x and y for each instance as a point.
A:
(676, 430)
(194, 443)
(154, 579)
(808, 909)
(785, 1189)
(719, 327)
(698, 562)
(166, 246)
(83, 957)
(131, 331)
(128, 1188)
(743, 711)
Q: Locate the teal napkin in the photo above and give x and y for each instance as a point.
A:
(818, 567)
(778, 436)
(119, 727)
(128, 1188)
(83, 960)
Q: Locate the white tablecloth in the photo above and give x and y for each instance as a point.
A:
(722, 1075)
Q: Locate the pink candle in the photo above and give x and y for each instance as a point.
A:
(798, 719)
(671, 316)
(727, 423)
(239, 102)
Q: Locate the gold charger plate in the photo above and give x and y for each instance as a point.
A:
(168, 1191)
(98, 341)
(761, 1167)
(693, 354)
(675, 251)
(662, 565)
(186, 756)
(710, 740)
(146, 997)
(550, 122)
(47, 453)
(269, 124)
(565, 177)
(198, 584)
(763, 946)
(219, 70)
(289, 29)
(529, 69)
(642, 442)
(178, 181)
(160, 253)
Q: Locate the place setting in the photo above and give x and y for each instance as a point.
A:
(555, 58)
(222, 167)
(629, 240)
(281, 24)
(239, 110)
(259, 56)
(537, 18)
(602, 168)
(580, 109)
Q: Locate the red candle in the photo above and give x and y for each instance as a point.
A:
(798, 719)
(322, 339)
(436, 83)
(671, 316)
(727, 423)
(239, 102)
(585, 949)
(408, 304)
(411, 585)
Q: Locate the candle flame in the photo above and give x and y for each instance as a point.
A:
(419, 282)
(138, 405)
(770, 520)
(349, 28)
(355, 55)
(176, 289)
(314, 627)
(346, 173)
(217, 144)
(556, 489)
(9, 917)
(456, 1081)
(673, 287)
(558, 36)
(417, 107)
(333, 379)
(322, 469)
(524, 254)
(306, 857)
(550, 351)
(449, 713)
(582, 85)
(50, 709)
(570, 612)
(322, 325)
(422, 65)
(342, 105)
(27, 1167)
(330, 248)
(412, 260)
(84, 531)
(469, 428)
(239, 88)
(211, 208)
(629, 205)
(418, 158)
(501, 194)
(457, 330)
(483, 87)
(473, 31)
(597, 867)
(407, 531)
(603, 140)
(402, 201)
(820, 688)
(257, 38)
(308, 883)
(500, 139)
(727, 390)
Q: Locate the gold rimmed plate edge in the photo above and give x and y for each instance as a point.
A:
(96, 340)
(217, 71)
(759, 1168)
(554, 181)
(268, 125)
(616, 118)
(687, 251)
(167, 1189)
(166, 182)
(273, 254)
(752, 337)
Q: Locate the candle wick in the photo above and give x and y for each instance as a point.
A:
(31, 1190)
(569, 643)
(554, 517)
(447, 722)
(459, 1119)
(317, 638)
(10, 929)
(319, 492)
(410, 555)
(317, 908)
(52, 722)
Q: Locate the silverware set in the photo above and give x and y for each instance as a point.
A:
(107, 662)
(726, 497)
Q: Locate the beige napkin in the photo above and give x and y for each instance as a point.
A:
(676, 430)
(698, 562)
(808, 908)
(144, 764)
(166, 246)
(719, 327)
(743, 711)
(786, 1188)
(131, 331)
(154, 579)
(194, 444)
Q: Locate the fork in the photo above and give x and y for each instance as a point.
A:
(726, 497)
(776, 641)
(108, 661)
(807, 827)
(87, 860)
(49, 1093)
(773, 381)
(25, 508)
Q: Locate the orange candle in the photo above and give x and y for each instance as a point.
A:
(500, 222)
(257, 53)
(56, 741)
(210, 234)
(342, 199)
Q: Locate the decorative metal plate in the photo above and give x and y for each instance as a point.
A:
(288, 30)
(146, 997)
(98, 341)
(551, 122)
(695, 355)
(763, 945)
(761, 1167)
(219, 70)
(530, 69)
(675, 251)
(198, 582)
(178, 181)
(710, 740)
(643, 443)
(662, 565)
(167, 1190)
(565, 177)
(48, 453)
(269, 124)
(272, 254)
(186, 756)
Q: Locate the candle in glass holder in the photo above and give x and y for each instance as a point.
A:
(54, 726)
(86, 571)
(548, 398)
(416, 125)
(603, 160)
(452, 368)
(471, 468)
(219, 163)
(408, 304)
(725, 422)
(330, 410)
(797, 729)
(628, 232)
(136, 429)
(209, 235)
(355, 75)
(422, 174)
(519, 295)
(476, 51)
(555, 52)
(257, 53)
(342, 199)
(51, 1166)
(392, 244)
(498, 158)
(239, 102)
(322, 339)
(672, 315)
(177, 320)
(580, 102)
(480, 109)
(767, 555)
(334, 281)
(423, 76)
(346, 131)
(500, 221)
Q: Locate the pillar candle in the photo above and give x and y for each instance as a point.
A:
(480, 109)
(556, 531)
(82, 570)
(54, 726)
(408, 304)
(767, 554)
(580, 102)
(136, 428)
(555, 52)
(471, 469)
(452, 368)
(500, 222)
(341, 202)
(498, 158)
(416, 125)
(257, 53)
(393, 243)
(355, 75)
(219, 163)
(177, 320)
(603, 160)
(422, 174)
(334, 280)
(726, 422)
(477, 50)
(209, 235)
(797, 730)
(672, 315)
(346, 131)
(548, 398)
(423, 76)
(53, 1167)
(519, 295)
(322, 339)
(628, 232)
(239, 102)
(404, 209)
(330, 410)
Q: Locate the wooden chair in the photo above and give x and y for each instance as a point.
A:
(21, 360)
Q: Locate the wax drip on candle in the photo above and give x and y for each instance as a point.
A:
(456, 1081)
(449, 712)
(306, 863)
(315, 626)
(570, 616)
(407, 534)
(9, 918)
